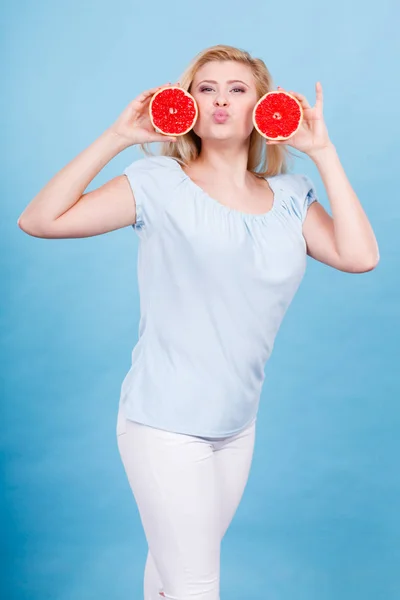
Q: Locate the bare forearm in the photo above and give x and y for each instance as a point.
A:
(354, 236)
(69, 184)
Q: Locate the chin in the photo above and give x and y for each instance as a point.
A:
(220, 133)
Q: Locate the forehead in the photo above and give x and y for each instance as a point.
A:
(223, 71)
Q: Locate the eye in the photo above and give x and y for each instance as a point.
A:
(203, 89)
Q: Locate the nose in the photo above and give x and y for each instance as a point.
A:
(220, 100)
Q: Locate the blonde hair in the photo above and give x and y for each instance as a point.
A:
(263, 160)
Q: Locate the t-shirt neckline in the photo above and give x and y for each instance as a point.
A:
(228, 209)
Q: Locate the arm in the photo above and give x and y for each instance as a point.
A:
(346, 240)
(62, 209)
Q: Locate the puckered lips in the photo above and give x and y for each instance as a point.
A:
(220, 115)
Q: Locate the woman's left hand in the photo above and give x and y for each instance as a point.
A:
(312, 134)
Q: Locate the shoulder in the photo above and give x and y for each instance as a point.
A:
(297, 183)
(300, 192)
(155, 170)
(153, 163)
(153, 180)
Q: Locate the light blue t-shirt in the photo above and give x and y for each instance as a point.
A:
(214, 286)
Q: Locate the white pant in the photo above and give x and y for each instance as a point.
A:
(187, 490)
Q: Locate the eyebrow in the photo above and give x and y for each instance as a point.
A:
(230, 81)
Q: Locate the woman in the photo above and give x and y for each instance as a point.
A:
(224, 232)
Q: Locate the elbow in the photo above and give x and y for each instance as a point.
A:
(373, 264)
(362, 261)
(24, 226)
(363, 267)
(21, 224)
(30, 228)
(368, 267)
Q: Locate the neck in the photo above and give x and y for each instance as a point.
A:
(224, 160)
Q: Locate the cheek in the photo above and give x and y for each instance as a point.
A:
(201, 100)
(248, 115)
(204, 108)
(244, 110)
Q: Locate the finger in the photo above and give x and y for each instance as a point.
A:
(319, 102)
(164, 138)
(303, 100)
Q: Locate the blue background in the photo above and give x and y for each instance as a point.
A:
(320, 518)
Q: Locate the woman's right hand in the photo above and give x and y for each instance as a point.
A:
(134, 124)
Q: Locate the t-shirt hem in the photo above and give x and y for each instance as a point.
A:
(212, 435)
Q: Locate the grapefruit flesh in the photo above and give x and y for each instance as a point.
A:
(173, 111)
(277, 115)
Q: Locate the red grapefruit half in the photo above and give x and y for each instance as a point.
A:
(277, 115)
(173, 111)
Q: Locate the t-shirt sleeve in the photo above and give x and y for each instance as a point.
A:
(149, 179)
(303, 194)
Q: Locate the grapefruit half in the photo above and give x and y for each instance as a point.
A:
(277, 115)
(173, 111)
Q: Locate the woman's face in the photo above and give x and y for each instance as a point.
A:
(226, 95)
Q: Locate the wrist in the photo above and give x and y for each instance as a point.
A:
(117, 141)
(322, 153)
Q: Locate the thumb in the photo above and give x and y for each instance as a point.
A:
(165, 138)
